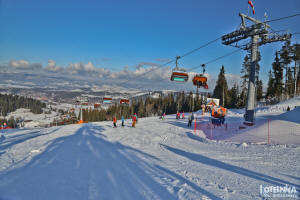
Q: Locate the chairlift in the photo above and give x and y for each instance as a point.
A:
(200, 80)
(124, 101)
(97, 105)
(107, 100)
(179, 74)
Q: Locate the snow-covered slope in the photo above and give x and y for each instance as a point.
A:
(291, 102)
(156, 160)
(38, 120)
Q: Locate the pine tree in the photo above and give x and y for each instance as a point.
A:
(286, 57)
(242, 99)
(296, 59)
(221, 88)
(233, 95)
(244, 83)
(259, 90)
(190, 101)
(276, 89)
(290, 83)
(271, 84)
(245, 73)
(197, 102)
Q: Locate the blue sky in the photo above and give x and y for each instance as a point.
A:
(113, 34)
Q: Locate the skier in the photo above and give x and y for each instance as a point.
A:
(122, 118)
(136, 119)
(115, 121)
(178, 115)
(133, 120)
(183, 115)
(191, 117)
(163, 116)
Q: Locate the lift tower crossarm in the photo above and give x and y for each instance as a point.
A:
(243, 17)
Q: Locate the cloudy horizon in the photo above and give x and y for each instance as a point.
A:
(144, 76)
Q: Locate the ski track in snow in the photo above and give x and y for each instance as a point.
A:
(159, 159)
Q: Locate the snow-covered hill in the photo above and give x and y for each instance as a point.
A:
(159, 159)
(33, 120)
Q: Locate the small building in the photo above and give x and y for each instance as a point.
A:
(212, 102)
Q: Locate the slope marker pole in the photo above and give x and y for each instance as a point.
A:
(195, 126)
(211, 131)
(268, 131)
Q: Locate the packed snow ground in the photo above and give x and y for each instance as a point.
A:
(159, 159)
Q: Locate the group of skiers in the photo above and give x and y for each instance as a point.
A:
(134, 120)
(162, 117)
(182, 116)
(178, 115)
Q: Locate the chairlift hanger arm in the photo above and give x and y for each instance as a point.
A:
(177, 58)
(203, 68)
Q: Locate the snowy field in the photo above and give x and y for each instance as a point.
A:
(159, 159)
(37, 120)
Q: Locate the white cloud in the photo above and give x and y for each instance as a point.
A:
(52, 66)
(143, 71)
(145, 75)
(81, 67)
(23, 64)
(232, 79)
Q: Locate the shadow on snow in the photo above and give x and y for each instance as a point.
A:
(86, 166)
(229, 167)
(13, 140)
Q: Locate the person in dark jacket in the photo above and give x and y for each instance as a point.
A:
(122, 118)
(191, 117)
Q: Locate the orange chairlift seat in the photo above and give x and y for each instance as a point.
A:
(179, 74)
(97, 105)
(200, 80)
(124, 101)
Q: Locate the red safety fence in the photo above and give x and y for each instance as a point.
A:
(264, 130)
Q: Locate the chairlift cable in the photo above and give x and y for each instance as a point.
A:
(215, 59)
(208, 43)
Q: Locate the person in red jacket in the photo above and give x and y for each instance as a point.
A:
(183, 115)
(115, 121)
(133, 120)
(177, 115)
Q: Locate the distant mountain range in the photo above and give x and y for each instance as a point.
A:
(68, 82)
